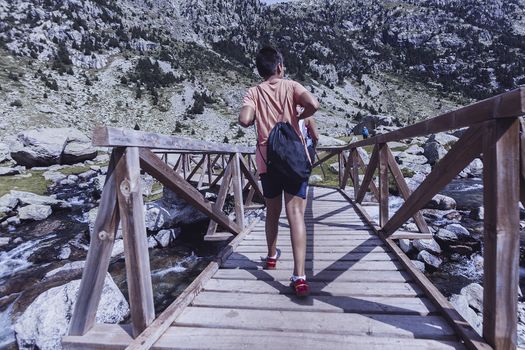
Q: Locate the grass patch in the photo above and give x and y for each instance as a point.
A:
(156, 191)
(36, 183)
(75, 170)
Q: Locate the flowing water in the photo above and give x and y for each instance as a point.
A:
(64, 238)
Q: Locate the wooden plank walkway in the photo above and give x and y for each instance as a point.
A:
(361, 297)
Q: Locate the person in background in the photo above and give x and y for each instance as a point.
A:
(274, 100)
(310, 134)
(365, 132)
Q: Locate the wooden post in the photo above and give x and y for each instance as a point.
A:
(405, 191)
(237, 190)
(138, 271)
(221, 198)
(368, 180)
(210, 170)
(99, 254)
(522, 163)
(355, 171)
(383, 184)
(501, 248)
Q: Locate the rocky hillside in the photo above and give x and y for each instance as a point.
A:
(182, 66)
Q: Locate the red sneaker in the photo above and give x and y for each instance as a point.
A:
(271, 263)
(300, 287)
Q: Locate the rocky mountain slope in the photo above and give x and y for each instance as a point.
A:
(182, 66)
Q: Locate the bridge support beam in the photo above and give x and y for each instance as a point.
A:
(501, 249)
(138, 272)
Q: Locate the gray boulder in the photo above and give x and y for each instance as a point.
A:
(6, 171)
(27, 198)
(434, 152)
(428, 245)
(475, 168)
(315, 179)
(419, 265)
(54, 176)
(443, 139)
(325, 141)
(430, 260)
(165, 237)
(446, 236)
(406, 245)
(43, 324)
(35, 212)
(441, 202)
(458, 230)
(48, 146)
(474, 294)
(334, 168)
(460, 303)
(4, 152)
(477, 214)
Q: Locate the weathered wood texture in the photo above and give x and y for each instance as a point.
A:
(99, 254)
(464, 330)
(169, 178)
(131, 208)
(383, 184)
(369, 174)
(404, 190)
(501, 249)
(461, 153)
(104, 136)
(359, 293)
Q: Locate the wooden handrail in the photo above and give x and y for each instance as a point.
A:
(104, 136)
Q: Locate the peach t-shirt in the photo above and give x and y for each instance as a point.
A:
(273, 102)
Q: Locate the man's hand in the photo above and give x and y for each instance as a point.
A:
(247, 116)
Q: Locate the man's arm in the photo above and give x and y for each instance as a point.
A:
(247, 116)
(309, 103)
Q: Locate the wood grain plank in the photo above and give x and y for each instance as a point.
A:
(237, 191)
(116, 337)
(131, 210)
(316, 288)
(104, 136)
(502, 233)
(321, 303)
(318, 322)
(318, 266)
(99, 254)
(383, 184)
(228, 339)
(325, 276)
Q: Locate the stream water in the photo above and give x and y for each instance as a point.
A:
(63, 238)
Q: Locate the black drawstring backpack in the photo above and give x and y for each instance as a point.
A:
(286, 154)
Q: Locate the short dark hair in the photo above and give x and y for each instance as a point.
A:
(267, 61)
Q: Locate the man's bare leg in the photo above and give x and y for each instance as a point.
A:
(295, 212)
(273, 212)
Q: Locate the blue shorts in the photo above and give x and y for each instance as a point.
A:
(274, 186)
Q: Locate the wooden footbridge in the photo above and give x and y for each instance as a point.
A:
(366, 293)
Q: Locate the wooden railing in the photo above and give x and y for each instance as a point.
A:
(495, 134)
(493, 131)
(122, 202)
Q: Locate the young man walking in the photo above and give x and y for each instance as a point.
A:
(277, 100)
